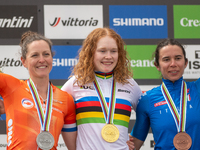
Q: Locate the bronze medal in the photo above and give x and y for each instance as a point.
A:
(110, 133)
(182, 141)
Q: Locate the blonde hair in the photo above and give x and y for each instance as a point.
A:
(84, 70)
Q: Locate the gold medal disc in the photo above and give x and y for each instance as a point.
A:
(110, 133)
(182, 141)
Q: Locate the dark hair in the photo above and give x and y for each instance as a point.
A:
(164, 43)
(29, 37)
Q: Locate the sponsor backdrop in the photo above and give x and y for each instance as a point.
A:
(142, 24)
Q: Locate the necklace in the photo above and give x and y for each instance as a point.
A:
(43, 99)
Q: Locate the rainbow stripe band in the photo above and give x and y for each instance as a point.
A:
(108, 112)
(112, 103)
(89, 110)
(44, 118)
(180, 119)
(103, 75)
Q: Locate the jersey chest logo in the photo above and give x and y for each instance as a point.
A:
(160, 103)
(87, 87)
(26, 103)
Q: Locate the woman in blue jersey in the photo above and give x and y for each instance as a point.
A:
(172, 110)
(104, 92)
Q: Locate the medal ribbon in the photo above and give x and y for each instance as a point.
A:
(108, 112)
(44, 118)
(180, 120)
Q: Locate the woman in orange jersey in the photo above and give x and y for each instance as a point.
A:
(36, 110)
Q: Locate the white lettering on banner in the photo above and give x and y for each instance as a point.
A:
(16, 22)
(10, 62)
(138, 21)
(185, 22)
(65, 62)
(142, 63)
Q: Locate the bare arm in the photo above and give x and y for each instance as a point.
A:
(137, 143)
(2, 109)
(70, 139)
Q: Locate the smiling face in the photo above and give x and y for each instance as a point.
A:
(171, 62)
(38, 59)
(106, 55)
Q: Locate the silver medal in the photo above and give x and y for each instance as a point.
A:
(45, 140)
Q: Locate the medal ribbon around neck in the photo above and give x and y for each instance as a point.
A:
(44, 118)
(180, 120)
(108, 112)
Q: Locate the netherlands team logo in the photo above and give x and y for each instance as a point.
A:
(26, 103)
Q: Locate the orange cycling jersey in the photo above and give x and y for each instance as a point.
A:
(22, 118)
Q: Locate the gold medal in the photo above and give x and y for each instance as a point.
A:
(110, 133)
(182, 141)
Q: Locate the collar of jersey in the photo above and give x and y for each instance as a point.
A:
(103, 75)
(172, 86)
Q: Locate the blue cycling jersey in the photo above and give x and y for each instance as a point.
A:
(153, 111)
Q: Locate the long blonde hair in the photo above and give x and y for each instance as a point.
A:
(84, 69)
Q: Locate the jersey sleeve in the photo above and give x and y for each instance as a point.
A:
(142, 124)
(70, 118)
(70, 125)
(7, 84)
(3, 84)
(136, 94)
(197, 83)
(68, 86)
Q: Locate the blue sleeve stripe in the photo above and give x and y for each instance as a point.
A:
(69, 129)
(94, 98)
